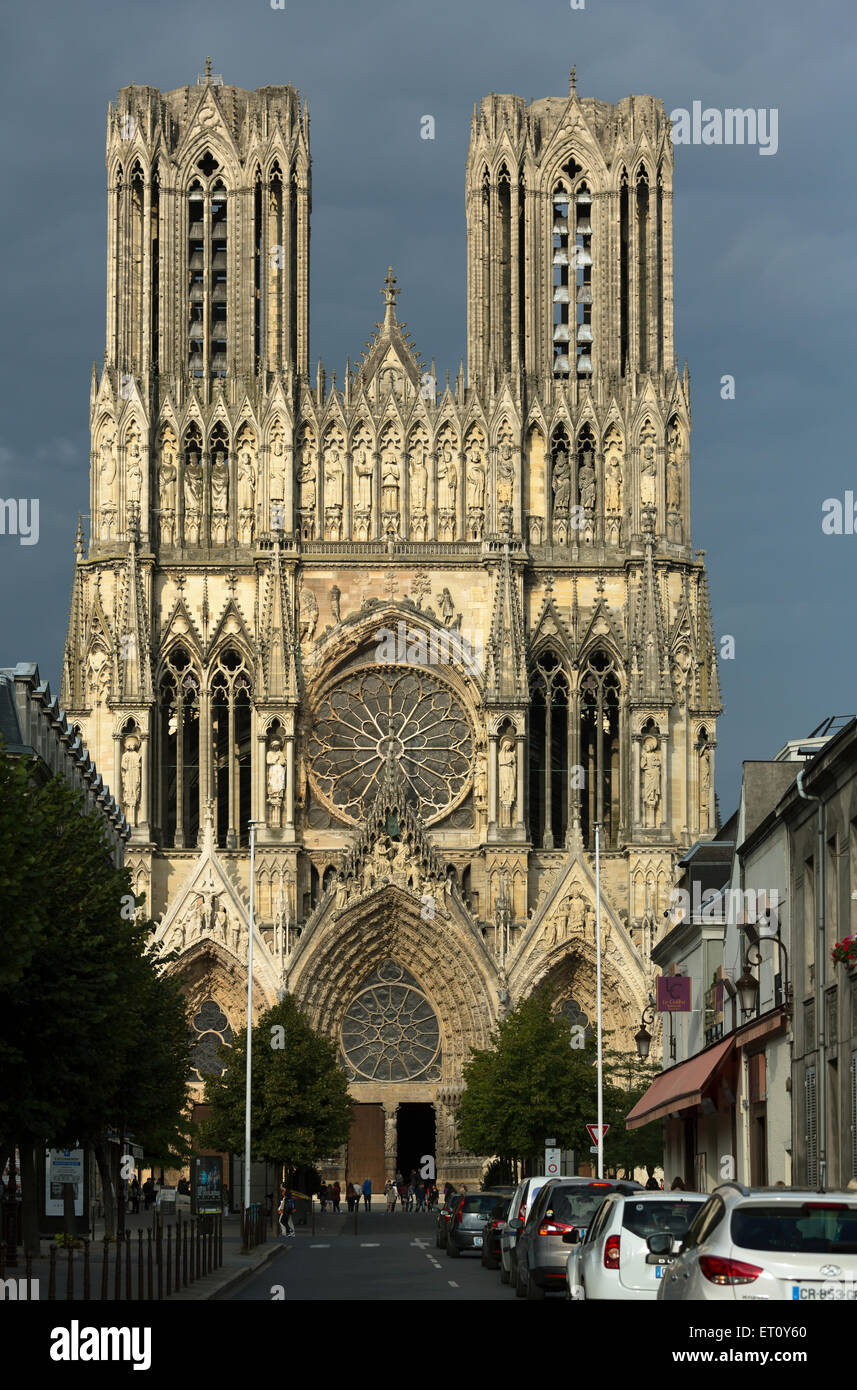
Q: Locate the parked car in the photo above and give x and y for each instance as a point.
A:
(444, 1216)
(775, 1243)
(491, 1230)
(613, 1260)
(522, 1200)
(464, 1230)
(560, 1206)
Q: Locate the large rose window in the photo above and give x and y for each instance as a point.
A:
(370, 713)
(390, 1031)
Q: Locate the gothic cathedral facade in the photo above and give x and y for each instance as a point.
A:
(426, 636)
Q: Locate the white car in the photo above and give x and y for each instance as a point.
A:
(614, 1259)
(772, 1243)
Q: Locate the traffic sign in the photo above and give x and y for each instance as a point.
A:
(593, 1133)
(553, 1163)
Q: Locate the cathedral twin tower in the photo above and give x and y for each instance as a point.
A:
(255, 529)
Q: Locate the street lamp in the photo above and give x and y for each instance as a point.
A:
(643, 1039)
(748, 990)
(249, 1080)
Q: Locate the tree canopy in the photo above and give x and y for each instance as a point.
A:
(300, 1109)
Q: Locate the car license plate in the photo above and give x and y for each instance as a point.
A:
(828, 1292)
(477, 1241)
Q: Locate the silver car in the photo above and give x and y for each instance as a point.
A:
(776, 1243)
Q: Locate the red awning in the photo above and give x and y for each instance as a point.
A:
(681, 1087)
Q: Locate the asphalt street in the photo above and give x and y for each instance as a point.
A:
(390, 1258)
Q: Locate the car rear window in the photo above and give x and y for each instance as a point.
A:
(575, 1205)
(481, 1202)
(811, 1228)
(649, 1218)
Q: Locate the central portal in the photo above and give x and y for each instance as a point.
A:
(415, 1138)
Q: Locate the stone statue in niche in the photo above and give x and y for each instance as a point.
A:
(219, 497)
(134, 475)
(390, 474)
(278, 467)
(577, 912)
(674, 471)
(561, 484)
(131, 769)
(480, 779)
(246, 490)
(613, 484)
(167, 482)
(333, 491)
(447, 492)
(219, 919)
(306, 491)
(648, 471)
(586, 483)
(475, 479)
(335, 597)
(275, 759)
(447, 608)
(704, 787)
(650, 771)
(505, 483)
(308, 610)
(507, 760)
(193, 496)
(419, 491)
(107, 480)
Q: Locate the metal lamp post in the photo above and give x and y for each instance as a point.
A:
(598, 990)
(249, 1022)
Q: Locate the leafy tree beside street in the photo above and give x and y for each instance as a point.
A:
(300, 1106)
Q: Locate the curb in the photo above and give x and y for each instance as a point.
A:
(241, 1274)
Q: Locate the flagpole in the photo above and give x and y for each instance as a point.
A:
(598, 991)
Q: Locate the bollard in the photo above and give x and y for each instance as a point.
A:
(117, 1278)
(128, 1289)
(220, 1241)
(52, 1274)
(69, 1288)
(139, 1265)
(169, 1261)
(184, 1255)
(104, 1272)
(178, 1252)
(150, 1291)
(86, 1290)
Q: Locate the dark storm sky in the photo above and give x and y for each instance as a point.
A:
(765, 266)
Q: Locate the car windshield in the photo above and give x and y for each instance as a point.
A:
(480, 1202)
(574, 1205)
(810, 1228)
(649, 1218)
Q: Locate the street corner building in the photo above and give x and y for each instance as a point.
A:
(427, 635)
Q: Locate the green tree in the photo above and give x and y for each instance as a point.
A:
(530, 1085)
(626, 1080)
(300, 1109)
(81, 1006)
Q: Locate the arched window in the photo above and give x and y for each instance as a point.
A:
(624, 272)
(549, 780)
(504, 209)
(230, 748)
(178, 709)
(207, 222)
(642, 268)
(599, 750)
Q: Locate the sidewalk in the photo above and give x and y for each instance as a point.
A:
(235, 1267)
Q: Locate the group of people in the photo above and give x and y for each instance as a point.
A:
(330, 1195)
(147, 1191)
(412, 1193)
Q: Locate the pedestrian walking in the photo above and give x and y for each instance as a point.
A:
(420, 1195)
(148, 1193)
(367, 1194)
(135, 1195)
(402, 1189)
(390, 1194)
(350, 1195)
(335, 1195)
(284, 1212)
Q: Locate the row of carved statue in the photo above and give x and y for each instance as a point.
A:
(396, 482)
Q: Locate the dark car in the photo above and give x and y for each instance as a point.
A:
(444, 1216)
(563, 1205)
(464, 1230)
(491, 1231)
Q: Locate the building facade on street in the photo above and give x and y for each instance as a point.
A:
(425, 634)
(741, 1095)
